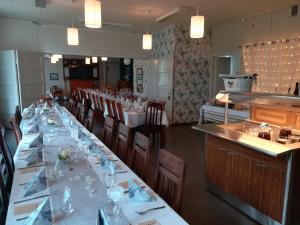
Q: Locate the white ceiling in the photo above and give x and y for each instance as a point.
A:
(59, 12)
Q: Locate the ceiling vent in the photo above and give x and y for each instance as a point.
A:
(41, 3)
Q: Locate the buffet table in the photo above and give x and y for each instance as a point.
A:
(83, 177)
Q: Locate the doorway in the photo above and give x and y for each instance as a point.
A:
(222, 65)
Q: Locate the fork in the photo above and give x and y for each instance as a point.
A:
(141, 213)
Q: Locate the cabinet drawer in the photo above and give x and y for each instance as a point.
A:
(296, 120)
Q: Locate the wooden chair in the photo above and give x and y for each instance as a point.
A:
(101, 107)
(18, 115)
(122, 143)
(108, 131)
(16, 129)
(4, 198)
(153, 122)
(8, 157)
(114, 110)
(89, 123)
(108, 106)
(120, 112)
(170, 178)
(140, 155)
(81, 113)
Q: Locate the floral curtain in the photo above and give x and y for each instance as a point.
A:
(276, 63)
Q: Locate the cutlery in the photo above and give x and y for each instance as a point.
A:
(23, 218)
(125, 171)
(23, 168)
(127, 191)
(28, 199)
(141, 213)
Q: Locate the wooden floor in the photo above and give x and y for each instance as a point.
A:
(200, 207)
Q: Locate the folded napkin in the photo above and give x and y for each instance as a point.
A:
(125, 184)
(33, 128)
(138, 194)
(40, 216)
(33, 121)
(37, 142)
(37, 184)
(35, 156)
(150, 222)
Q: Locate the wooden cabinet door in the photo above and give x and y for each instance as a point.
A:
(214, 164)
(266, 189)
(295, 120)
(238, 174)
(272, 116)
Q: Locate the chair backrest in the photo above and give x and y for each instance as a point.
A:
(101, 104)
(170, 179)
(122, 142)
(108, 131)
(4, 199)
(108, 106)
(16, 129)
(6, 153)
(153, 114)
(163, 103)
(114, 109)
(140, 155)
(96, 102)
(89, 123)
(120, 112)
(81, 114)
(18, 115)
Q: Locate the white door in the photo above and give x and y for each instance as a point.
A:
(9, 93)
(31, 78)
(165, 83)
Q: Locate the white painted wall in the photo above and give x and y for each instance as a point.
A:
(226, 38)
(9, 96)
(17, 34)
(54, 68)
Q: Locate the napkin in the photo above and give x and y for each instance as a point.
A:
(138, 194)
(125, 184)
(37, 184)
(37, 142)
(33, 128)
(150, 222)
(33, 121)
(35, 156)
(41, 216)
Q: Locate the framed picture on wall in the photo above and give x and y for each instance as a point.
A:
(53, 76)
(139, 80)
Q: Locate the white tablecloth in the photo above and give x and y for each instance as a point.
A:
(85, 203)
(133, 118)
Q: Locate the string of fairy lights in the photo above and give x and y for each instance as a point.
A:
(277, 64)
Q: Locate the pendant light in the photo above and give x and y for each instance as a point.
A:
(197, 25)
(147, 40)
(87, 60)
(92, 11)
(104, 59)
(94, 59)
(73, 38)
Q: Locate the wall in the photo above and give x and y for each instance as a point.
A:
(277, 25)
(191, 69)
(8, 86)
(54, 68)
(16, 34)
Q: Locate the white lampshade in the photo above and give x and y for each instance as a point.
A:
(94, 59)
(53, 59)
(87, 60)
(197, 27)
(147, 41)
(73, 38)
(104, 58)
(92, 13)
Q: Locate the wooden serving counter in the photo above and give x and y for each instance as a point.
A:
(259, 177)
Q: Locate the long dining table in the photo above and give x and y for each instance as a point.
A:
(58, 129)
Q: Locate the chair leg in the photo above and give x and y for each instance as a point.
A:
(163, 137)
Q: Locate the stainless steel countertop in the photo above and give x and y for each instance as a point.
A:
(267, 147)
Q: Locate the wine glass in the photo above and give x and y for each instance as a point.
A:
(67, 203)
(109, 178)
